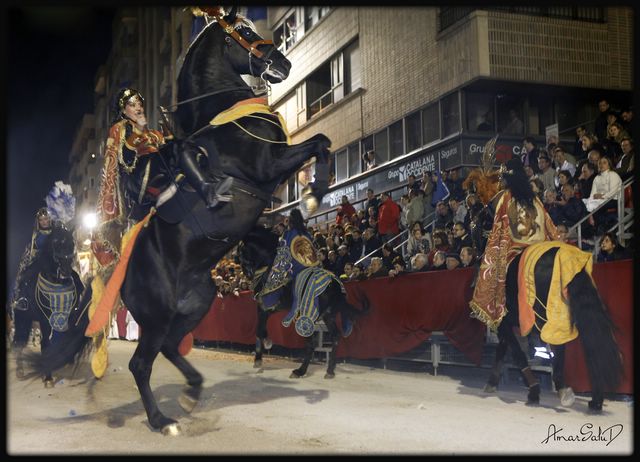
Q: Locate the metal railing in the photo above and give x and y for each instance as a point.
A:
(625, 219)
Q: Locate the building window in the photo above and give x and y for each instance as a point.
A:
(366, 145)
(354, 159)
(342, 165)
(313, 14)
(291, 189)
(450, 114)
(396, 139)
(352, 68)
(413, 131)
(286, 34)
(510, 112)
(318, 87)
(480, 112)
(381, 146)
(430, 123)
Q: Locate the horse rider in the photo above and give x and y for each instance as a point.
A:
(520, 220)
(131, 163)
(41, 230)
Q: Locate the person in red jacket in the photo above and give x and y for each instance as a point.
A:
(345, 211)
(388, 218)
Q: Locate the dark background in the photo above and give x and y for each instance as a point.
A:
(51, 54)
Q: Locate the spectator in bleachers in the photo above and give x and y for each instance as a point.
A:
(363, 222)
(377, 269)
(415, 212)
(443, 215)
(345, 211)
(529, 172)
(319, 241)
(373, 222)
(358, 273)
(611, 250)
(624, 167)
(458, 210)
(601, 122)
(418, 242)
(585, 180)
(371, 242)
(612, 145)
(388, 255)
(551, 205)
(389, 218)
(454, 184)
(372, 201)
(322, 256)
(626, 118)
(563, 177)
(399, 267)
(331, 261)
(440, 243)
(538, 187)
(330, 243)
(427, 188)
(404, 211)
(346, 273)
(413, 184)
(452, 261)
(356, 246)
(468, 257)
(278, 228)
(461, 237)
(341, 258)
(419, 263)
(578, 151)
(570, 208)
(594, 157)
(530, 154)
(439, 261)
(562, 163)
(547, 174)
(590, 143)
(605, 183)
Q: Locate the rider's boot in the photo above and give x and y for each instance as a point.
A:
(214, 187)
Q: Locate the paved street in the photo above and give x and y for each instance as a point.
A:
(363, 410)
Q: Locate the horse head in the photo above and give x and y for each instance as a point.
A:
(58, 254)
(257, 250)
(485, 184)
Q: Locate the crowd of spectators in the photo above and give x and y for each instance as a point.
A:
(571, 181)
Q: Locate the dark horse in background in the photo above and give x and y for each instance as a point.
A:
(588, 315)
(257, 252)
(168, 286)
(50, 295)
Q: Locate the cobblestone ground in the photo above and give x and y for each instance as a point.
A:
(364, 410)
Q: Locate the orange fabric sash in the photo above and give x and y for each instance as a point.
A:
(111, 294)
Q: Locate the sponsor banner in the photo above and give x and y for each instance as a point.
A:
(473, 148)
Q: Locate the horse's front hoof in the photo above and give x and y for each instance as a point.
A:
(329, 376)
(173, 429)
(488, 388)
(267, 343)
(295, 375)
(187, 403)
(257, 363)
(567, 397)
(48, 383)
(595, 406)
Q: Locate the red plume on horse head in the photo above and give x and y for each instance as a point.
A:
(485, 180)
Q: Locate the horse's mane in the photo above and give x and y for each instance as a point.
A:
(487, 184)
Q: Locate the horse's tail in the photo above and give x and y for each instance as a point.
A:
(601, 351)
(71, 347)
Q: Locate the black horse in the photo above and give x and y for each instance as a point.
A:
(257, 252)
(588, 315)
(168, 287)
(50, 295)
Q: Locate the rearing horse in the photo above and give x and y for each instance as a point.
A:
(168, 287)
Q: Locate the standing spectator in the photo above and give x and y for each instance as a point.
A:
(404, 211)
(132, 328)
(369, 160)
(468, 257)
(514, 124)
(611, 250)
(389, 218)
(625, 165)
(413, 184)
(443, 215)
(613, 148)
(600, 124)
(530, 154)
(372, 201)
(345, 211)
(547, 174)
(454, 184)
(427, 188)
(626, 118)
(415, 213)
(585, 180)
(578, 151)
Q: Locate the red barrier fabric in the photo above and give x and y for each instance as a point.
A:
(405, 310)
(614, 281)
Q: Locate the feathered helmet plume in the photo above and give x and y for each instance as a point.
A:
(61, 203)
(489, 155)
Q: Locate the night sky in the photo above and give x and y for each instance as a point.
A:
(53, 55)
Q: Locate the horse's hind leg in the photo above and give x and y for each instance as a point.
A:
(140, 366)
(520, 358)
(332, 327)
(261, 335)
(565, 393)
(494, 377)
(308, 354)
(190, 394)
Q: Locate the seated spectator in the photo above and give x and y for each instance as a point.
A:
(452, 260)
(606, 187)
(419, 263)
(564, 177)
(551, 205)
(418, 242)
(461, 237)
(345, 211)
(458, 209)
(371, 242)
(440, 243)
(341, 259)
(348, 270)
(570, 208)
(356, 246)
(439, 261)
(547, 174)
(616, 134)
(611, 250)
(585, 180)
(468, 257)
(560, 158)
(626, 117)
(388, 255)
(376, 269)
(443, 215)
(563, 233)
(363, 222)
(625, 165)
(578, 151)
(537, 187)
(454, 184)
(319, 241)
(398, 267)
(358, 273)
(330, 262)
